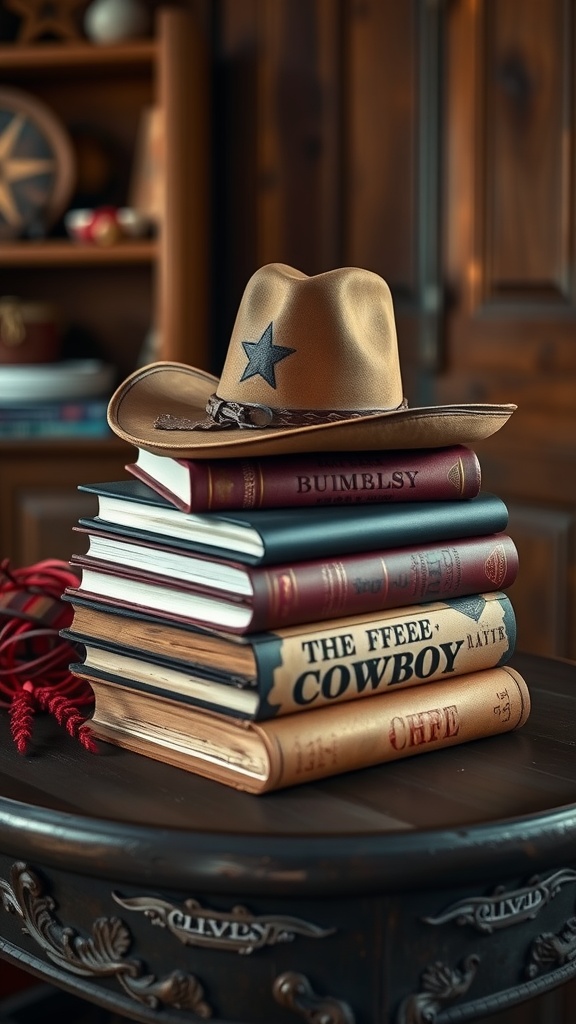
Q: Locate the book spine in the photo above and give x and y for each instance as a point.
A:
(439, 474)
(402, 648)
(329, 479)
(310, 591)
(338, 739)
(339, 662)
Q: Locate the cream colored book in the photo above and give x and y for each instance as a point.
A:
(298, 668)
(261, 756)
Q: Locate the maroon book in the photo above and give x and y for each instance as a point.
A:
(328, 478)
(230, 596)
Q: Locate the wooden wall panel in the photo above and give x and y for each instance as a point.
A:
(381, 152)
(46, 521)
(40, 502)
(509, 218)
(539, 595)
(299, 134)
(528, 165)
(390, 206)
(533, 468)
(278, 142)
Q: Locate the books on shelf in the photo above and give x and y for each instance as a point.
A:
(82, 418)
(322, 478)
(259, 757)
(293, 670)
(229, 595)
(269, 536)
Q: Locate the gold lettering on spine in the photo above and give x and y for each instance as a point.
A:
(456, 476)
(249, 481)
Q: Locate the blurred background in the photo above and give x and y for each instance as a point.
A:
(430, 141)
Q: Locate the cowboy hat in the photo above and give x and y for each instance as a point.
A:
(312, 365)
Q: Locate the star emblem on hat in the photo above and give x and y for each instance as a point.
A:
(263, 356)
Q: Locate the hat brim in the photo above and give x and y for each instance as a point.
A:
(181, 390)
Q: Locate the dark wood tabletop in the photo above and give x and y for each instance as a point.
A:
(379, 858)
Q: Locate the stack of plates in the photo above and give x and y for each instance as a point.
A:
(71, 379)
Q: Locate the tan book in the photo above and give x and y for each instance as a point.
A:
(281, 752)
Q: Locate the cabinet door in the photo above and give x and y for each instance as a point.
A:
(510, 316)
(40, 501)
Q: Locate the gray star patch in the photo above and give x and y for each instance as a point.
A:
(262, 357)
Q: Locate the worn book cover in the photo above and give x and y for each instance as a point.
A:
(320, 478)
(262, 756)
(298, 670)
(228, 595)
(271, 536)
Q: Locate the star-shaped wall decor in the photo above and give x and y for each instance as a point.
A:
(36, 165)
(262, 357)
(14, 168)
(46, 18)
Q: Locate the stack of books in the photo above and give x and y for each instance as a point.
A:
(270, 621)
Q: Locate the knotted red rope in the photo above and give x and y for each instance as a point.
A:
(34, 658)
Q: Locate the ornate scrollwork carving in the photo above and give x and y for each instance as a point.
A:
(296, 993)
(102, 955)
(505, 907)
(237, 930)
(549, 950)
(440, 985)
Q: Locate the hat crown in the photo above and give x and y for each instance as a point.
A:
(322, 342)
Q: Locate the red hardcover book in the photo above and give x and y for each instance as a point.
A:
(323, 478)
(228, 595)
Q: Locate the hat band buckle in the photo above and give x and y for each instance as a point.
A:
(224, 415)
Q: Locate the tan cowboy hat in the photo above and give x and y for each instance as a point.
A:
(312, 365)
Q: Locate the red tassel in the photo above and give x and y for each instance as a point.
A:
(34, 658)
(21, 716)
(66, 714)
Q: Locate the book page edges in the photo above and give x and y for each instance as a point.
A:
(346, 737)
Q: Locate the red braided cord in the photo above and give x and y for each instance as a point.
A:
(21, 715)
(34, 658)
(66, 714)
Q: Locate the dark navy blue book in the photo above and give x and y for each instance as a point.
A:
(271, 536)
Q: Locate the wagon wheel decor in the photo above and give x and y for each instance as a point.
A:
(37, 166)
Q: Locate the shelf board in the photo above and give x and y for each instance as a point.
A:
(63, 57)
(61, 253)
(61, 446)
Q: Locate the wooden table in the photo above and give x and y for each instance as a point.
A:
(439, 888)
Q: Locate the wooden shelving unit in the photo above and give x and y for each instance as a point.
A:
(108, 88)
(61, 253)
(122, 294)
